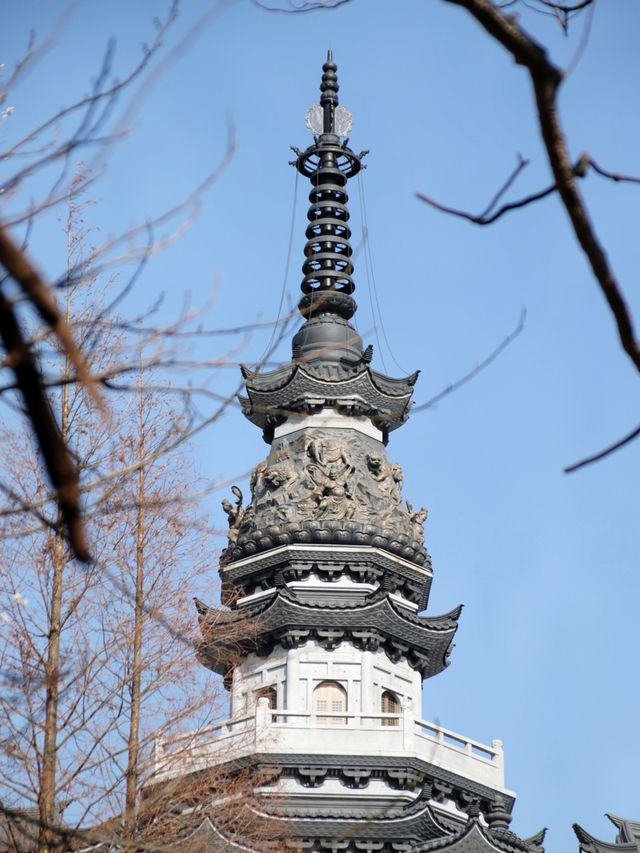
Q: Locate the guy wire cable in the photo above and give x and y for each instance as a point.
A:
(375, 289)
(286, 271)
(365, 240)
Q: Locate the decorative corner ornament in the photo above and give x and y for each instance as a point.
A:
(313, 119)
(342, 119)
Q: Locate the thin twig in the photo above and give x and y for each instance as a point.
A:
(566, 7)
(482, 219)
(613, 176)
(603, 453)
(21, 270)
(477, 369)
(304, 6)
(546, 79)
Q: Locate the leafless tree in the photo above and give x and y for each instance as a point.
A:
(99, 660)
(87, 651)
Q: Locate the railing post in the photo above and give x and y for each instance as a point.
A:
(496, 746)
(263, 715)
(408, 730)
(157, 752)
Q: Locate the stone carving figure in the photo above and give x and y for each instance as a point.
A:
(281, 476)
(398, 477)
(382, 492)
(278, 494)
(257, 478)
(417, 519)
(235, 514)
(330, 473)
(388, 479)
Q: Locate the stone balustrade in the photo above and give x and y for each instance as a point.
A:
(297, 732)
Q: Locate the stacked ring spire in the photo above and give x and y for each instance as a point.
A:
(327, 284)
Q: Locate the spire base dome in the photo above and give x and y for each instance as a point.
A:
(328, 338)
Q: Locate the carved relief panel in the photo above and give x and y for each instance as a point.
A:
(326, 479)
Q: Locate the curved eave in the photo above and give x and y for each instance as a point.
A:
(385, 385)
(418, 827)
(289, 390)
(339, 558)
(424, 640)
(475, 838)
(329, 374)
(629, 829)
(416, 823)
(271, 380)
(446, 623)
(590, 844)
(392, 386)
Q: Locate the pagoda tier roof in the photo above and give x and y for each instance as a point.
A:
(474, 837)
(418, 827)
(328, 372)
(359, 562)
(394, 829)
(354, 389)
(628, 838)
(458, 783)
(380, 622)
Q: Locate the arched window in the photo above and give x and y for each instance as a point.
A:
(390, 705)
(329, 696)
(271, 694)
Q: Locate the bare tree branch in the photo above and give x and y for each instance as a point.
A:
(303, 6)
(487, 217)
(604, 453)
(546, 79)
(612, 176)
(91, 101)
(57, 458)
(566, 7)
(477, 369)
(21, 270)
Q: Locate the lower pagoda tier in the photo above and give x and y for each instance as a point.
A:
(424, 788)
(376, 622)
(316, 783)
(344, 811)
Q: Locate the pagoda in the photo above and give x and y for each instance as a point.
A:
(328, 561)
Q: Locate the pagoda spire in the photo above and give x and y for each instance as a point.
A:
(330, 373)
(329, 88)
(328, 284)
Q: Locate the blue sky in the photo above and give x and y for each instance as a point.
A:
(546, 564)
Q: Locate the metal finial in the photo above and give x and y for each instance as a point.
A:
(329, 89)
(327, 284)
(327, 118)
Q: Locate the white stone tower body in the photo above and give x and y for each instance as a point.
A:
(328, 559)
